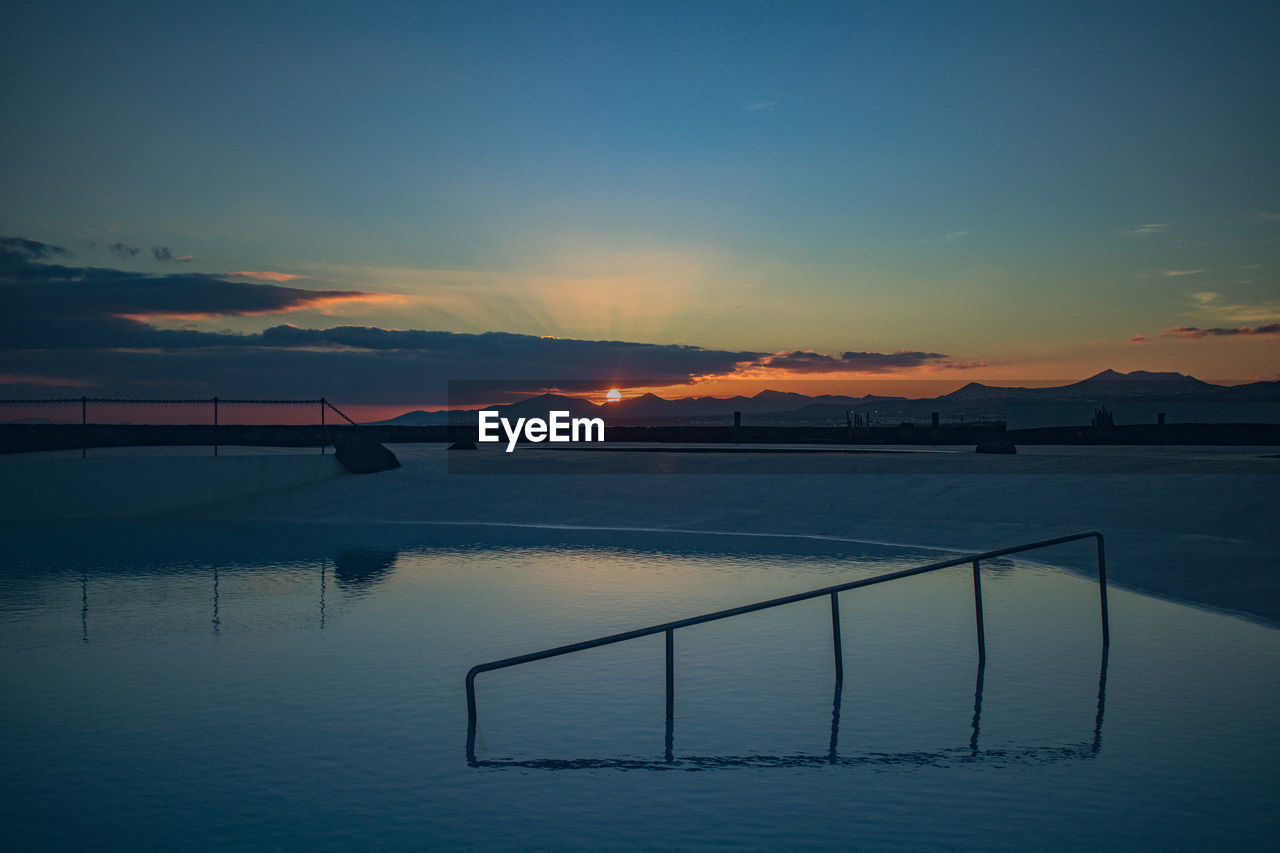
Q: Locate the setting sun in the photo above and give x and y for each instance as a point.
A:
(613, 396)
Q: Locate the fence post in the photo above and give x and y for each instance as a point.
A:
(322, 426)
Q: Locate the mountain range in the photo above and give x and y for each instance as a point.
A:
(972, 402)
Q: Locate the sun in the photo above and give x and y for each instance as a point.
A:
(614, 395)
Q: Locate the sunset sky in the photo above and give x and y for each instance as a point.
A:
(365, 200)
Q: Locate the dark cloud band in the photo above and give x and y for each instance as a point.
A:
(90, 324)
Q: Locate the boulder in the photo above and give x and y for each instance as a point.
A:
(463, 444)
(996, 445)
(362, 454)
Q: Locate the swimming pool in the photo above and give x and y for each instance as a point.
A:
(185, 685)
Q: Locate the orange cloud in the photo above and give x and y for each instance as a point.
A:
(924, 378)
(267, 275)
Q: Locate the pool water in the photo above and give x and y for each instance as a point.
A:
(172, 685)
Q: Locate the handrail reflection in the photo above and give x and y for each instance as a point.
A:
(943, 757)
(354, 572)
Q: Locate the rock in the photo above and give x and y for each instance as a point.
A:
(996, 445)
(361, 454)
(463, 444)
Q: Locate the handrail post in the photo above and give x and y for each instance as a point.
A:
(1102, 592)
(977, 608)
(471, 716)
(215, 426)
(322, 426)
(471, 699)
(671, 674)
(835, 637)
(668, 754)
(84, 427)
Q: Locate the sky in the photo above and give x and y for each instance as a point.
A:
(363, 201)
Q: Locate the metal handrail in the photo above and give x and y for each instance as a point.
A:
(85, 401)
(670, 627)
(183, 402)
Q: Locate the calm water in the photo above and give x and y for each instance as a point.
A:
(199, 686)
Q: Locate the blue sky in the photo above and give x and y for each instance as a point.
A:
(1032, 189)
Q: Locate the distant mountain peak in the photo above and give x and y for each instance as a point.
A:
(1110, 375)
(1140, 382)
(546, 402)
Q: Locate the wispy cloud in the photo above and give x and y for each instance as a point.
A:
(122, 250)
(1138, 339)
(1180, 273)
(164, 253)
(267, 275)
(810, 362)
(1196, 333)
(758, 106)
(43, 381)
(1210, 304)
(1151, 228)
(955, 236)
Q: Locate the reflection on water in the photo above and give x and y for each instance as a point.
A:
(945, 757)
(84, 609)
(355, 571)
(977, 703)
(179, 686)
(359, 570)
